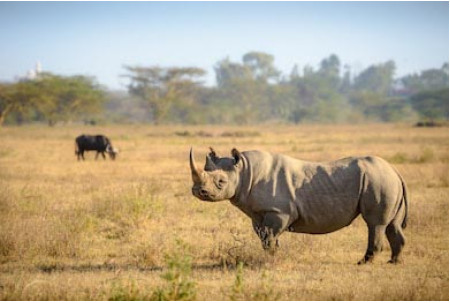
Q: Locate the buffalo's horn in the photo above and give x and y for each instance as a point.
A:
(194, 171)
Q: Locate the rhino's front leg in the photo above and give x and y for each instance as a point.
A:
(269, 230)
(265, 235)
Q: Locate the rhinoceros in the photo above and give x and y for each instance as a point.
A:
(280, 193)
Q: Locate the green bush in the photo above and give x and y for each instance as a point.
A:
(128, 291)
(179, 286)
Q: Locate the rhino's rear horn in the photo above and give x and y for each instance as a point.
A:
(209, 165)
(213, 154)
(196, 176)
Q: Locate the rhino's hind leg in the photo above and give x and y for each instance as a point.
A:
(375, 242)
(396, 240)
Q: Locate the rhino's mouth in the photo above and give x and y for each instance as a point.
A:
(203, 195)
(208, 199)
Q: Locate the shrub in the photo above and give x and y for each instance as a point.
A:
(263, 292)
(128, 291)
(179, 286)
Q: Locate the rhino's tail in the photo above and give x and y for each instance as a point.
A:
(405, 200)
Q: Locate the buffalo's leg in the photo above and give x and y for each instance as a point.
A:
(103, 155)
(96, 155)
(82, 154)
(396, 240)
(375, 242)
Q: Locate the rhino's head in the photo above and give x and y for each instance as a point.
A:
(219, 178)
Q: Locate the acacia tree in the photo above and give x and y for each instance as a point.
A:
(15, 97)
(55, 98)
(166, 90)
(6, 101)
(61, 98)
(261, 65)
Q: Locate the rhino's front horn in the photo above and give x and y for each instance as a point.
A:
(194, 170)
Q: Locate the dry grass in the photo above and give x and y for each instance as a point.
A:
(130, 229)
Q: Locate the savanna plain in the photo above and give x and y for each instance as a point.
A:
(130, 229)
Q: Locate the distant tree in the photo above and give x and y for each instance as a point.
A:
(444, 68)
(228, 73)
(346, 83)
(15, 98)
(318, 93)
(431, 105)
(122, 107)
(376, 78)
(295, 74)
(261, 66)
(330, 71)
(7, 103)
(282, 100)
(430, 79)
(247, 87)
(168, 91)
(60, 98)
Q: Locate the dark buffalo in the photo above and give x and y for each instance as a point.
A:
(99, 143)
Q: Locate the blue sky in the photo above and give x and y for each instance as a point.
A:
(99, 38)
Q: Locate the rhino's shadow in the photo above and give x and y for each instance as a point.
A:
(124, 267)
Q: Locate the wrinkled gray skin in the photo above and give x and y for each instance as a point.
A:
(280, 193)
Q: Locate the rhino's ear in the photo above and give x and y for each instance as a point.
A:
(213, 155)
(236, 155)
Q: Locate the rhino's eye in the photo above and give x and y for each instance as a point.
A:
(221, 183)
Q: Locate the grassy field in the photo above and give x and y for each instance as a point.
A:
(131, 230)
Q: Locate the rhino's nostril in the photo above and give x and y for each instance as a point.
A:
(203, 192)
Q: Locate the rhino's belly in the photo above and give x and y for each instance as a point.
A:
(322, 225)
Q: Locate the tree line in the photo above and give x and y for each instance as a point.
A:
(250, 91)
(50, 98)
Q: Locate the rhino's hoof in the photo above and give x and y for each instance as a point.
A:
(270, 250)
(365, 260)
(361, 262)
(395, 261)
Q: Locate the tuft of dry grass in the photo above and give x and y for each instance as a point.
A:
(103, 230)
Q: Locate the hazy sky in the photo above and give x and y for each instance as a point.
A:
(98, 38)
